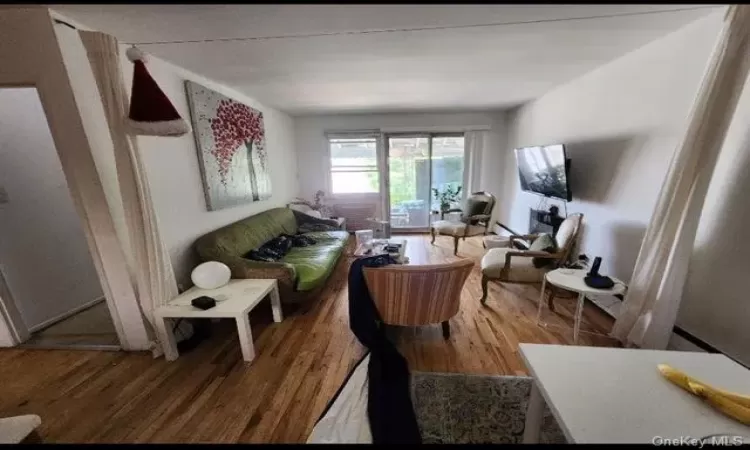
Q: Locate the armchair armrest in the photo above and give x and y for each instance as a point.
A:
(527, 237)
(482, 220)
(530, 254)
(482, 217)
(524, 236)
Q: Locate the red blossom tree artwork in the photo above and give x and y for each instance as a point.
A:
(238, 127)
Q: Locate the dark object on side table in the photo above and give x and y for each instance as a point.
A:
(596, 281)
(203, 302)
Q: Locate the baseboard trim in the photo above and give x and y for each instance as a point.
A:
(695, 340)
(65, 315)
(94, 347)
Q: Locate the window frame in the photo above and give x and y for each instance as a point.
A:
(364, 135)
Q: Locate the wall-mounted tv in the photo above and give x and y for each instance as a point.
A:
(544, 170)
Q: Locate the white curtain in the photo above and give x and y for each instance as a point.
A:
(151, 271)
(651, 304)
(474, 142)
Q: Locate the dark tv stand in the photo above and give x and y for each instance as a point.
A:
(541, 221)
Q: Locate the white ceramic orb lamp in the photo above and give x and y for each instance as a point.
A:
(211, 275)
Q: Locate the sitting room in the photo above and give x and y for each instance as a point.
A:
(393, 223)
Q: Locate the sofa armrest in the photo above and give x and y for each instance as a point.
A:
(303, 218)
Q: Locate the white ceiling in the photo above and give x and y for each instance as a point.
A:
(470, 68)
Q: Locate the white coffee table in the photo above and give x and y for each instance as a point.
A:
(615, 395)
(235, 300)
(572, 280)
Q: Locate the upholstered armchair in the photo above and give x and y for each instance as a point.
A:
(415, 295)
(475, 219)
(517, 266)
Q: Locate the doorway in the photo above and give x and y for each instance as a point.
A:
(49, 288)
(419, 163)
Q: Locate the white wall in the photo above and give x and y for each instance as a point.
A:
(43, 251)
(621, 123)
(715, 300)
(174, 173)
(312, 146)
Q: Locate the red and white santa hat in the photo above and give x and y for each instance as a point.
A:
(151, 112)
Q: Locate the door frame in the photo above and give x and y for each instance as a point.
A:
(86, 192)
(386, 184)
(9, 311)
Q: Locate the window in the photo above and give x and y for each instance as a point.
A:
(354, 165)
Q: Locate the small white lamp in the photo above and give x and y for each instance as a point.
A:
(211, 275)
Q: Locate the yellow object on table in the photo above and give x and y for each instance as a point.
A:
(732, 404)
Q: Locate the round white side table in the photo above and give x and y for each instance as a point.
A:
(572, 280)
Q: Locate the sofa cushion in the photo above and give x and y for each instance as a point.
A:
(313, 264)
(300, 240)
(257, 255)
(543, 243)
(240, 237)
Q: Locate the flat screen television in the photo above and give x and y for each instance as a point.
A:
(544, 170)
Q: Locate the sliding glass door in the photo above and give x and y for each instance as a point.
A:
(409, 181)
(416, 164)
(447, 167)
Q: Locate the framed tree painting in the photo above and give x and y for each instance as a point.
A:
(231, 144)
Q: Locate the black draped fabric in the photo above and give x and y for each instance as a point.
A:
(389, 407)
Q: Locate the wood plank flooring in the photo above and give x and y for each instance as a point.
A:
(210, 395)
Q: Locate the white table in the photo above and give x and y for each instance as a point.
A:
(572, 280)
(233, 300)
(615, 395)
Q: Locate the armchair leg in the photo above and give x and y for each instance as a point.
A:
(446, 329)
(432, 233)
(485, 280)
(455, 245)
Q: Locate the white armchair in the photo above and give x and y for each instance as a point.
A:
(469, 224)
(516, 266)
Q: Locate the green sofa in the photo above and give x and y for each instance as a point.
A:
(303, 269)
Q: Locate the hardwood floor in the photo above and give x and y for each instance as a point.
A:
(210, 395)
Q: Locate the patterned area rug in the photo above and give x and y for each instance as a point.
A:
(463, 409)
